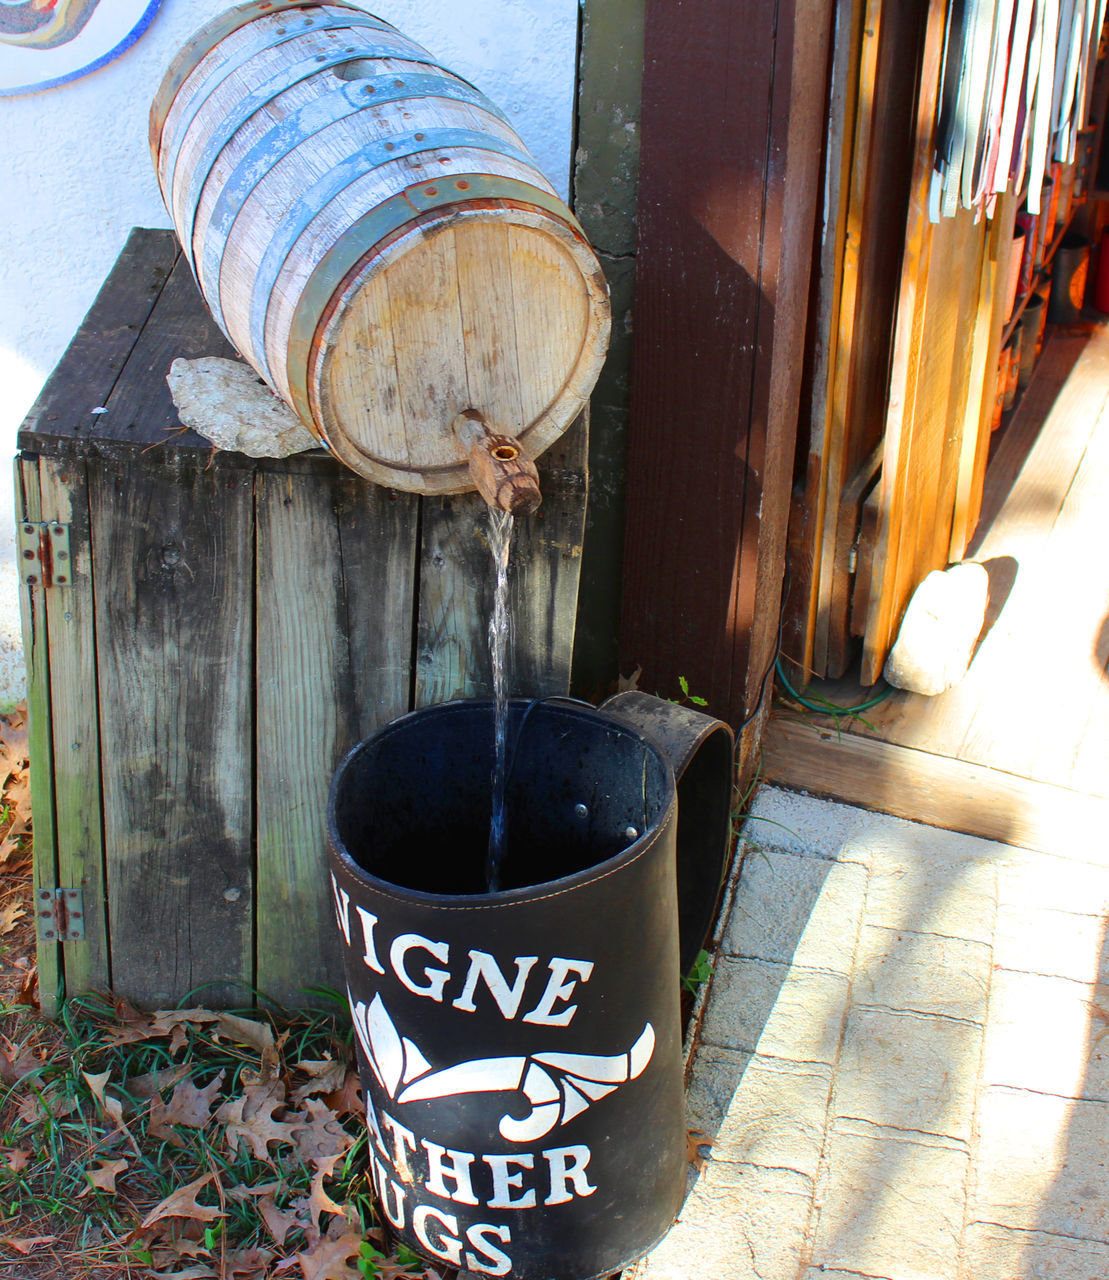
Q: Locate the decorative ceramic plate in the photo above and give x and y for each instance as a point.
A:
(44, 43)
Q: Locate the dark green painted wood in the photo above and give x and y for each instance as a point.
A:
(75, 725)
(606, 174)
(32, 602)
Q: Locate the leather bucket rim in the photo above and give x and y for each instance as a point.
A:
(641, 847)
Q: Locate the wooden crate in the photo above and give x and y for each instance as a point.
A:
(206, 634)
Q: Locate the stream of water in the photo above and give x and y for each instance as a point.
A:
(500, 543)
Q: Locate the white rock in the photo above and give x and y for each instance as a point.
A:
(944, 619)
(226, 403)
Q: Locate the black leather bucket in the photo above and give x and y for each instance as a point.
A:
(520, 1051)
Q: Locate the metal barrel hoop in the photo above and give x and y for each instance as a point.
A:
(338, 104)
(286, 79)
(263, 42)
(214, 32)
(315, 200)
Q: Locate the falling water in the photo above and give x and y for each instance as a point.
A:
(500, 542)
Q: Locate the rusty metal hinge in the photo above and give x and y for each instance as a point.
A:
(60, 914)
(44, 558)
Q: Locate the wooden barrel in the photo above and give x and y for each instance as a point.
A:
(374, 238)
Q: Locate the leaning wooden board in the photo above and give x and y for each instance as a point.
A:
(229, 627)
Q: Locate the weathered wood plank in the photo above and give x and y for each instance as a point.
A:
(811, 488)
(172, 560)
(36, 653)
(76, 729)
(885, 606)
(456, 584)
(87, 372)
(378, 544)
(305, 721)
(836, 452)
(941, 792)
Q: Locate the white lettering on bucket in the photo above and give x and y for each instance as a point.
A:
(499, 1263)
(442, 1163)
(483, 965)
(504, 1183)
(447, 1247)
(434, 979)
(568, 1165)
(559, 989)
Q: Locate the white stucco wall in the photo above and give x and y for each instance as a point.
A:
(77, 176)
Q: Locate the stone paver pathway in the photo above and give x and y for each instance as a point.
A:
(903, 1066)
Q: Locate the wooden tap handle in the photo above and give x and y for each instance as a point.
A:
(500, 468)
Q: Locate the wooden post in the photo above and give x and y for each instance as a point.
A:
(734, 99)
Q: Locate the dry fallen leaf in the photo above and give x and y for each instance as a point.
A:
(10, 912)
(183, 1204)
(188, 1106)
(697, 1147)
(111, 1108)
(325, 1075)
(143, 1088)
(250, 1119)
(319, 1202)
(258, 1035)
(16, 1062)
(329, 1258)
(348, 1100)
(25, 1244)
(17, 1158)
(279, 1222)
(103, 1177)
(322, 1135)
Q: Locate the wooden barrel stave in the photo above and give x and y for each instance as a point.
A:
(277, 129)
(385, 264)
(477, 261)
(223, 103)
(247, 54)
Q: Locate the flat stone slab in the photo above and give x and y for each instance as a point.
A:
(902, 1070)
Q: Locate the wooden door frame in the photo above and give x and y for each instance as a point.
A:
(733, 112)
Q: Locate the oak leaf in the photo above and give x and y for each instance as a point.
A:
(17, 1062)
(697, 1148)
(252, 1119)
(347, 1100)
(258, 1035)
(111, 1108)
(143, 1088)
(10, 912)
(17, 1158)
(325, 1075)
(103, 1176)
(329, 1258)
(318, 1202)
(279, 1222)
(14, 745)
(322, 1135)
(188, 1106)
(182, 1203)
